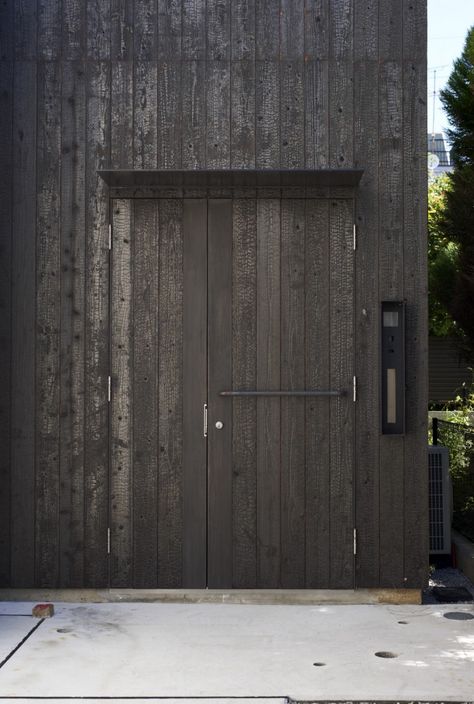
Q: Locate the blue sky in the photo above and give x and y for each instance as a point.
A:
(448, 22)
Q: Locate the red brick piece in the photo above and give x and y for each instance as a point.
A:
(43, 610)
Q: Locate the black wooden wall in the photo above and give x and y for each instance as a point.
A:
(88, 84)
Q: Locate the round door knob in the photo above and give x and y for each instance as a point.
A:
(219, 425)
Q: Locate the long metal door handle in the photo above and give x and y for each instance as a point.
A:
(303, 392)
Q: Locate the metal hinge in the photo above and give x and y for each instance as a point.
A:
(355, 541)
(354, 388)
(204, 420)
(108, 541)
(354, 237)
(110, 235)
(109, 388)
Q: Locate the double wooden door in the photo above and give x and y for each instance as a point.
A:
(231, 491)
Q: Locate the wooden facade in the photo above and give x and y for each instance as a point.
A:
(209, 84)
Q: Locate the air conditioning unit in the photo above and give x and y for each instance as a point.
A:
(440, 495)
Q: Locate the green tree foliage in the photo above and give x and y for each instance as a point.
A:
(442, 262)
(457, 221)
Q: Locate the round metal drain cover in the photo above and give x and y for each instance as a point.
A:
(458, 616)
(386, 654)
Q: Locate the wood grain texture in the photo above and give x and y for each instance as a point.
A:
(194, 29)
(194, 392)
(268, 409)
(146, 335)
(123, 398)
(367, 325)
(292, 376)
(144, 115)
(98, 32)
(244, 376)
(267, 30)
(218, 115)
(169, 119)
(415, 278)
(145, 29)
(194, 114)
(292, 145)
(47, 328)
(341, 110)
(122, 114)
(170, 394)
(366, 31)
(6, 159)
(267, 128)
(316, 29)
(7, 24)
(169, 29)
(341, 19)
(391, 288)
(218, 16)
(49, 29)
(72, 205)
(25, 30)
(341, 285)
(316, 114)
(242, 114)
(243, 14)
(96, 327)
(292, 29)
(72, 19)
(317, 411)
(390, 29)
(121, 30)
(23, 326)
(219, 569)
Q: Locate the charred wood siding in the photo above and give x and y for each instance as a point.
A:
(189, 84)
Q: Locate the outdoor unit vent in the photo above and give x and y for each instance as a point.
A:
(440, 500)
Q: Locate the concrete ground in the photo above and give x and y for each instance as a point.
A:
(322, 653)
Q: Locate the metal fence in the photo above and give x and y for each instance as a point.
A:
(459, 439)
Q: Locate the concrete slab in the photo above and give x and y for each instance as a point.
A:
(12, 631)
(222, 650)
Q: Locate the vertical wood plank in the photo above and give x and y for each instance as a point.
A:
(293, 533)
(341, 18)
(267, 30)
(391, 27)
(122, 126)
(367, 321)
(292, 26)
(169, 29)
(49, 29)
(121, 30)
(194, 29)
(144, 115)
(123, 397)
(145, 29)
(194, 114)
(268, 377)
(218, 30)
(316, 114)
(170, 354)
(391, 288)
(71, 462)
(342, 408)
(219, 570)
(415, 181)
(267, 128)
(243, 14)
(243, 114)
(73, 21)
(292, 145)
(7, 24)
(194, 393)
(218, 115)
(47, 326)
(97, 327)
(316, 29)
(366, 31)
(317, 376)
(341, 107)
(169, 115)
(99, 26)
(23, 325)
(25, 30)
(244, 376)
(6, 159)
(146, 335)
